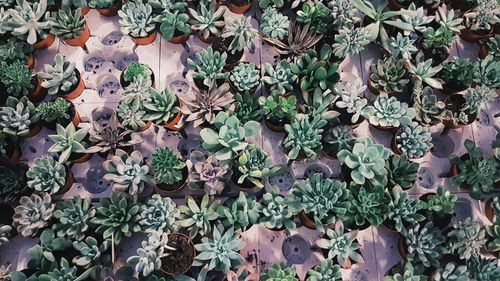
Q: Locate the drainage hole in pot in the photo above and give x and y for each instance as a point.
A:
(179, 87)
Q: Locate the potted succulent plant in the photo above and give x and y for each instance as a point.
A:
(158, 214)
(427, 106)
(221, 251)
(246, 107)
(196, 218)
(466, 238)
(401, 171)
(358, 215)
(62, 78)
(457, 75)
(493, 236)
(388, 113)
(239, 6)
(74, 4)
(73, 218)
(131, 114)
(276, 214)
(14, 49)
(350, 103)
(17, 80)
(279, 271)
(28, 21)
(278, 110)
(413, 140)
(163, 109)
(423, 244)
(175, 27)
(117, 217)
(336, 139)
(228, 146)
(491, 47)
(486, 72)
(70, 144)
(479, 21)
(451, 271)
(127, 172)
(5, 231)
(388, 76)
(139, 22)
(274, 24)
(208, 68)
(238, 35)
(483, 268)
(202, 106)
(402, 47)
(70, 26)
(25, 223)
(169, 170)
(436, 42)
(404, 211)
(279, 78)
(303, 139)
(245, 77)
(492, 207)
(318, 201)
(342, 245)
(19, 118)
(137, 71)
(207, 173)
(408, 271)
(241, 212)
(327, 270)
(474, 171)
(424, 71)
(252, 169)
(49, 176)
(58, 111)
(208, 22)
(107, 8)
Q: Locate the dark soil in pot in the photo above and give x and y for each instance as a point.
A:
(276, 125)
(307, 220)
(345, 117)
(180, 260)
(245, 185)
(175, 186)
(6, 214)
(221, 45)
(438, 55)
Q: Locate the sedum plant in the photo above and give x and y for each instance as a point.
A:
(389, 112)
(241, 33)
(229, 139)
(402, 47)
(221, 252)
(487, 72)
(59, 77)
(91, 252)
(315, 14)
(389, 75)
(304, 136)
(401, 171)
(414, 140)
(240, 213)
(197, 219)
(117, 217)
(137, 19)
(326, 271)
(279, 271)
(477, 172)
(424, 244)
(173, 23)
(466, 238)
(162, 107)
(56, 110)
(33, 214)
(67, 23)
(158, 214)
(253, 166)
(207, 173)
(43, 255)
(28, 21)
(481, 268)
(209, 66)
(167, 166)
(366, 161)
(207, 21)
(127, 172)
(367, 206)
(5, 231)
(322, 198)
(137, 71)
(350, 41)
(46, 175)
(404, 211)
(451, 272)
(276, 214)
(201, 106)
(245, 77)
(263, 4)
(274, 24)
(17, 78)
(278, 109)
(18, 116)
(279, 77)
(341, 245)
(108, 139)
(73, 217)
(68, 141)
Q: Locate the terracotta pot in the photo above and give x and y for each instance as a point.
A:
(394, 5)
(16, 154)
(394, 144)
(483, 51)
(78, 90)
(81, 40)
(31, 61)
(372, 89)
(39, 93)
(111, 12)
(70, 180)
(402, 247)
(145, 127)
(273, 127)
(471, 36)
(191, 251)
(306, 220)
(210, 40)
(180, 39)
(82, 159)
(45, 43)
(142, 41)
(388, 227)
(34, 130)
(85, 10)
(171, 125)
(238, 9)
(488, 211)
(74, 118)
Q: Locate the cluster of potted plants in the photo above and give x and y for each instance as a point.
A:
(415, 85)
